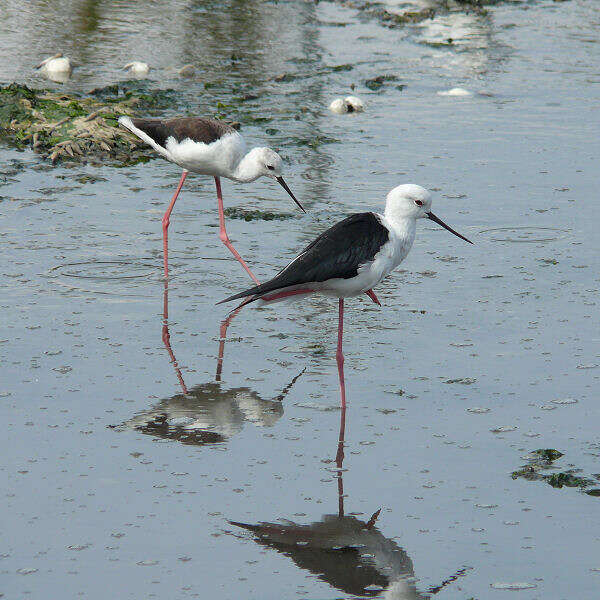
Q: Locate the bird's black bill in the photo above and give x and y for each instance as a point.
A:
(284, 185)
(437, 220)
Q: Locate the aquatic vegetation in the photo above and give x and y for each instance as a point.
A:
(69, 126)
(255, 215)
(376, 83)
(80, 127)
(394, 18)
(542, 460)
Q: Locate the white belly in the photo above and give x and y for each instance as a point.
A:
(218, 159)
(370, 274)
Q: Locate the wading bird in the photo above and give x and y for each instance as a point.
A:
(137, 68)
(208, 147)
(56, 68)
(352, 257)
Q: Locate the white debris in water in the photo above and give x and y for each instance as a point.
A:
(457, 91)
(338, 106)
(349, 104)
(513, 586)
(503, 429)
(478, 410)
(137, 68)
(565, 401)
(317, 406)
(355, 103)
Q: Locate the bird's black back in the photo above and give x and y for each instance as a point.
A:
(197, 129)
(336, 253)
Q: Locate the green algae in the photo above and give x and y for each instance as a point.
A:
(255, 215)
(541, 461)
(80, 127)
(376, 83)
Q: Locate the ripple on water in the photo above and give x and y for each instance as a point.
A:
(517, 235)
(122, 277)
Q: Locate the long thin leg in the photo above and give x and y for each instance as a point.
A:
(223, 233)
(339, 354)
(166, 221)
(373, 297)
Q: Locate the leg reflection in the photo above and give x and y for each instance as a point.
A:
(339, 461)
(166, 338)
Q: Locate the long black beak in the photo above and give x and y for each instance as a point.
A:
(284, 185)
(437, 220)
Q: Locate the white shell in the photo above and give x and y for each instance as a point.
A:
(456, 92)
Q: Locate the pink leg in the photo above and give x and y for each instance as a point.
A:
(223, 233)
(373, 297)
(339, 355)
(166, 221)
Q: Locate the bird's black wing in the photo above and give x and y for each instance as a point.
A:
(335, 254)
(197, 129)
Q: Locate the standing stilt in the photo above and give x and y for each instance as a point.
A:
(223, 233)
(166, 221)
(339, 354)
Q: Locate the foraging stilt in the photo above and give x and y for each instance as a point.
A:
(208, 147)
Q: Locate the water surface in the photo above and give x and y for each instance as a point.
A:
(112, 473)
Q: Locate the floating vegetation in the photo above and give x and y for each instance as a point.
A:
(398, 18)
(69, 126)
(539, 462)
(77, 127)
(376, 83)
(233, 212)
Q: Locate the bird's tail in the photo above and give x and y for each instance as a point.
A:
(128, 123)
(256, 291)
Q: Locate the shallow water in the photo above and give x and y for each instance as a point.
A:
(112, 473)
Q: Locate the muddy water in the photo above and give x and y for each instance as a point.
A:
(114, 480)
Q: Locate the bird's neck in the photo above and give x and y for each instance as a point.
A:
(403, 227)
(248, 169)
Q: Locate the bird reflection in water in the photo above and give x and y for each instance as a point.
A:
(166, 338)
(349, 554)
(207, 413)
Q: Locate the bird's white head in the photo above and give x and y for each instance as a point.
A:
(408, 201)
(265, 162)
(411, 202)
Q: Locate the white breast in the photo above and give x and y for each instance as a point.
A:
(392, 253)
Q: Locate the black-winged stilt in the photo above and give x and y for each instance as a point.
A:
(352, 257)
(208, 147)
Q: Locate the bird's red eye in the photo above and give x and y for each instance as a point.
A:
(418, 203)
